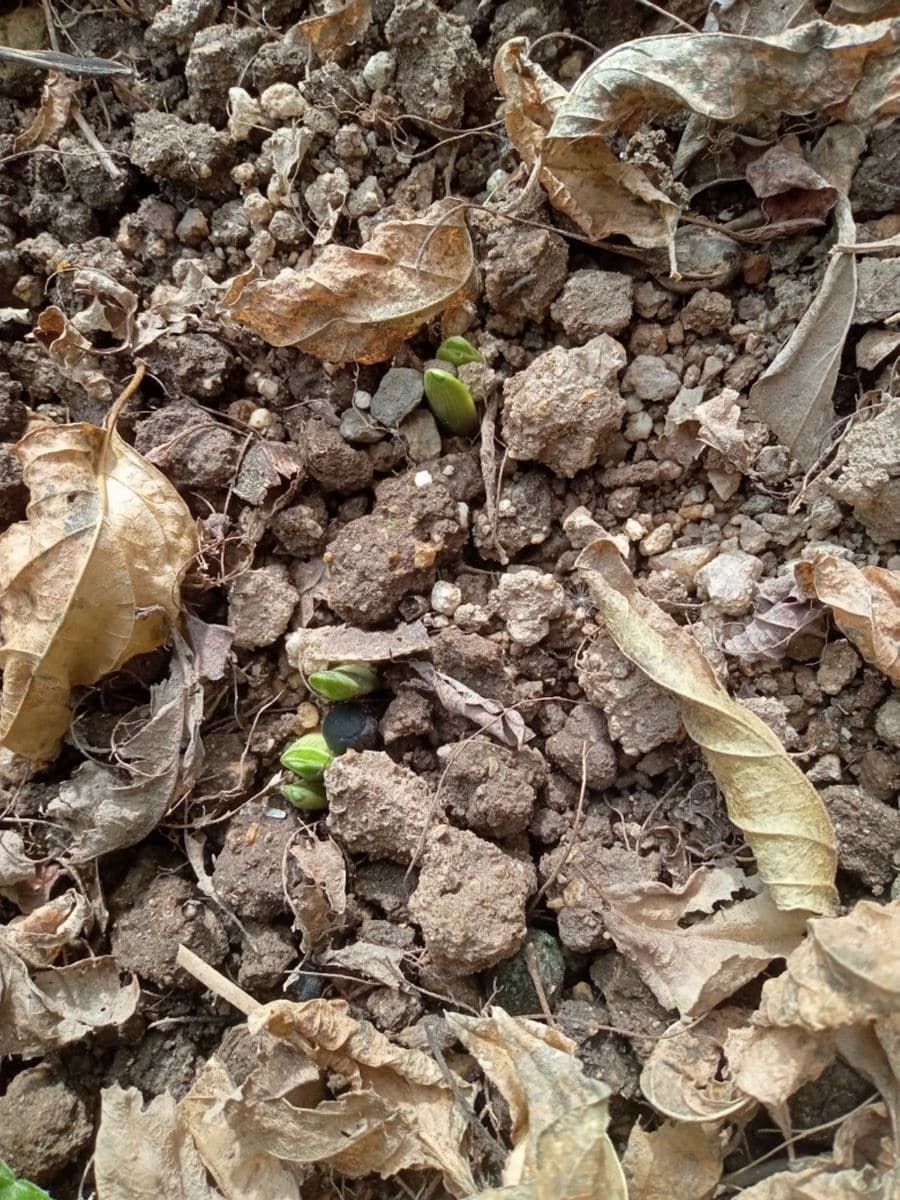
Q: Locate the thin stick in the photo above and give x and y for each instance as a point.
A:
(216, 982)
(662, 13)
(531, 964)
(95, 144)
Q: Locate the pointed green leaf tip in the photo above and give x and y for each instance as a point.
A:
(458, 350)
(308, 796)
(451, 402)
(344, 681)
(307, 757)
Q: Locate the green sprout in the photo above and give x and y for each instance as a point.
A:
(308, 757)
(18, 1189)
(450, 401)
(308, 796)
(345, 681)
(458, 350)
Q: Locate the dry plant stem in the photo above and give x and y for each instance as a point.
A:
(531, 965)
(216, 982)
(95, 144)
(488, 459)
(490, 1144)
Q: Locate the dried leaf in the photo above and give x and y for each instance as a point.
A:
(781, 614)
(39, 937)
(683, 1077)
(362, 305)
(821, 1182)
(674, 1160)
(267, 465)
(59, 1005)
(789, 188)
(846, 972)
(865, 605)
(379, 963)
(91, 578)
(694, 968)
(504, 724)
(319, 898)
(847, 73)
(52, 116)
(309, 649)
(72, 353)
(332, 31)
(758, 18)
(543, 1083)
(147, 1152)
(794, 395)
(15, 865)
(421, 1101)
(163, 756)
(768, 797)
(771, 1064)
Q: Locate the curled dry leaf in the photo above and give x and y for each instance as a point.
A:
(102, 812)
(90, 579)
(782, 614)
(148, 1151)
(415, 1118)
(846, 972)
(59, 1005)
(771, 1064)
(789, 187)
(362, 305)
(674, 1160)
(318, 898)
(53, 113)
(39, 937)
(694, 968)
(331, 32)
(72, 353)
(557, 1113)
(683, 1076)
(820, 1181)
(865, 604)
(768, 797)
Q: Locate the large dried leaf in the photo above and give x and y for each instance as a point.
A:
(683, 1077)
(694, 968)
(91, 578)
(558, 1114)
(334, 30)
(821, 1182)
(674, 1160)
(768, 797)
(102, 811)
(60, 1005)
(424, 1115)
(846, 972)
(362, 305)
(147, 1153)
(865, 604)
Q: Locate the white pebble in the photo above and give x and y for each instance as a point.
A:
(445, 598)
(380, 70)
(282, 101)
(422, 479)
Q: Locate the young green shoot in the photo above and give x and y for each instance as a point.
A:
(308, 757)
(458, 350)
(345, 681)
(451, 402)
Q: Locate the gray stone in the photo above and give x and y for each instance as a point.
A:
(358, 427)
(400, 391)
(422, 436)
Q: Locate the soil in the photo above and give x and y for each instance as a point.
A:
(456, 844)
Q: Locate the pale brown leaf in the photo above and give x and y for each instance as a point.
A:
(107, 809)
(332, 31)
(53, 113)
(846, 972)
(505, 724)
(72, 353)
(39, 937)
(865, 605)
(379, 963)
(782, 614)
(60, 1005)
(788, 186)
(544, 1084)
(821, 1182)
(694, 968)
(309, 650)
(147, 1152)
(794, 395)
(318, 894)
(768, 797)
(683, 1078)
(90, 579)
(674, 1160)
(771, 1064)
(362, 305)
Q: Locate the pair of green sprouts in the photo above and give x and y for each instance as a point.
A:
(309, 756)
(448, 397)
